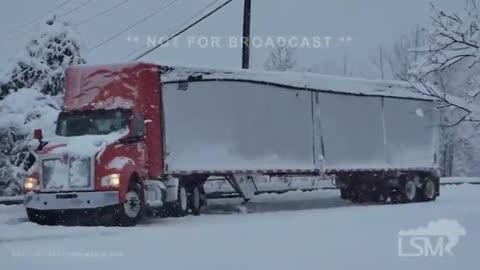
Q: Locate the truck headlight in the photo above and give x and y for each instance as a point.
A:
(112, 180)
(30, 184)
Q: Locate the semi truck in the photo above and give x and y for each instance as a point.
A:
(134, 139)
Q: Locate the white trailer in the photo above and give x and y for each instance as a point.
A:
(378, 138)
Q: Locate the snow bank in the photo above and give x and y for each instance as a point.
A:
(325, 234)
(9, 200)
(459, 180)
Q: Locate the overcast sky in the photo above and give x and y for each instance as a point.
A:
(355, 28)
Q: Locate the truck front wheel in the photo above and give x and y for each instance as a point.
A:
(131, 210)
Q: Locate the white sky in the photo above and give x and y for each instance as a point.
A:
(369, 24)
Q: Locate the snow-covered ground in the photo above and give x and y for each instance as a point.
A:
(459, 180)
(322, 232)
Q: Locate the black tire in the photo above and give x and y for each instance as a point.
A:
(179, 208)
(41, 217)
(409, 191)
(131, 211)
(345, 193)
(429, 190)
(196, 199)
(395, 198)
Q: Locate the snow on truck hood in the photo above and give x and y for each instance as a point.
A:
(87, 145)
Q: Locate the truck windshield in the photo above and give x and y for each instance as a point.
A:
(99, 122)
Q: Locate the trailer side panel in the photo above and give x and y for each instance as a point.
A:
(410, 131)
(228, 125)
(352, 131)
(360, 132)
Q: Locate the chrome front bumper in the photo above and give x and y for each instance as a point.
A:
(70, 200)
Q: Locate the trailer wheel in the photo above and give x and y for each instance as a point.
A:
(41, 217)
(196, 200)
(409, 191)
(179, 208)
(428, 191)
(131, 211)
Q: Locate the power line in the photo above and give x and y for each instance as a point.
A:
(76, 8)
(177, 27)
(133, 25)
(184, 30)
(22, 34)
(102, 13)
(36, 19)
(6, 51)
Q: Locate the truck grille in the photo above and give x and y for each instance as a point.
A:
(66, 173)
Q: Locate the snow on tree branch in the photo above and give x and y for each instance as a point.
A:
(43, 62)
(453, 44)
(30, 96)
(281, 58)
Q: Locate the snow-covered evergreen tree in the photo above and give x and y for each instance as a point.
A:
(43, 62)
(30, 97)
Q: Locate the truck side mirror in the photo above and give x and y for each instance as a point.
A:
(139, 125)
(38, 134)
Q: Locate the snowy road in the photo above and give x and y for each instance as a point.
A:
(322, 232)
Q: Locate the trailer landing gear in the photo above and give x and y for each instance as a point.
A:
(244, 185)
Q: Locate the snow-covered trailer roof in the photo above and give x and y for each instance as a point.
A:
(297, 80)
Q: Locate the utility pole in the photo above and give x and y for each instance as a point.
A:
(246, 41)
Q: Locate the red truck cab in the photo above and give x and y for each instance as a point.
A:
(108, 145)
